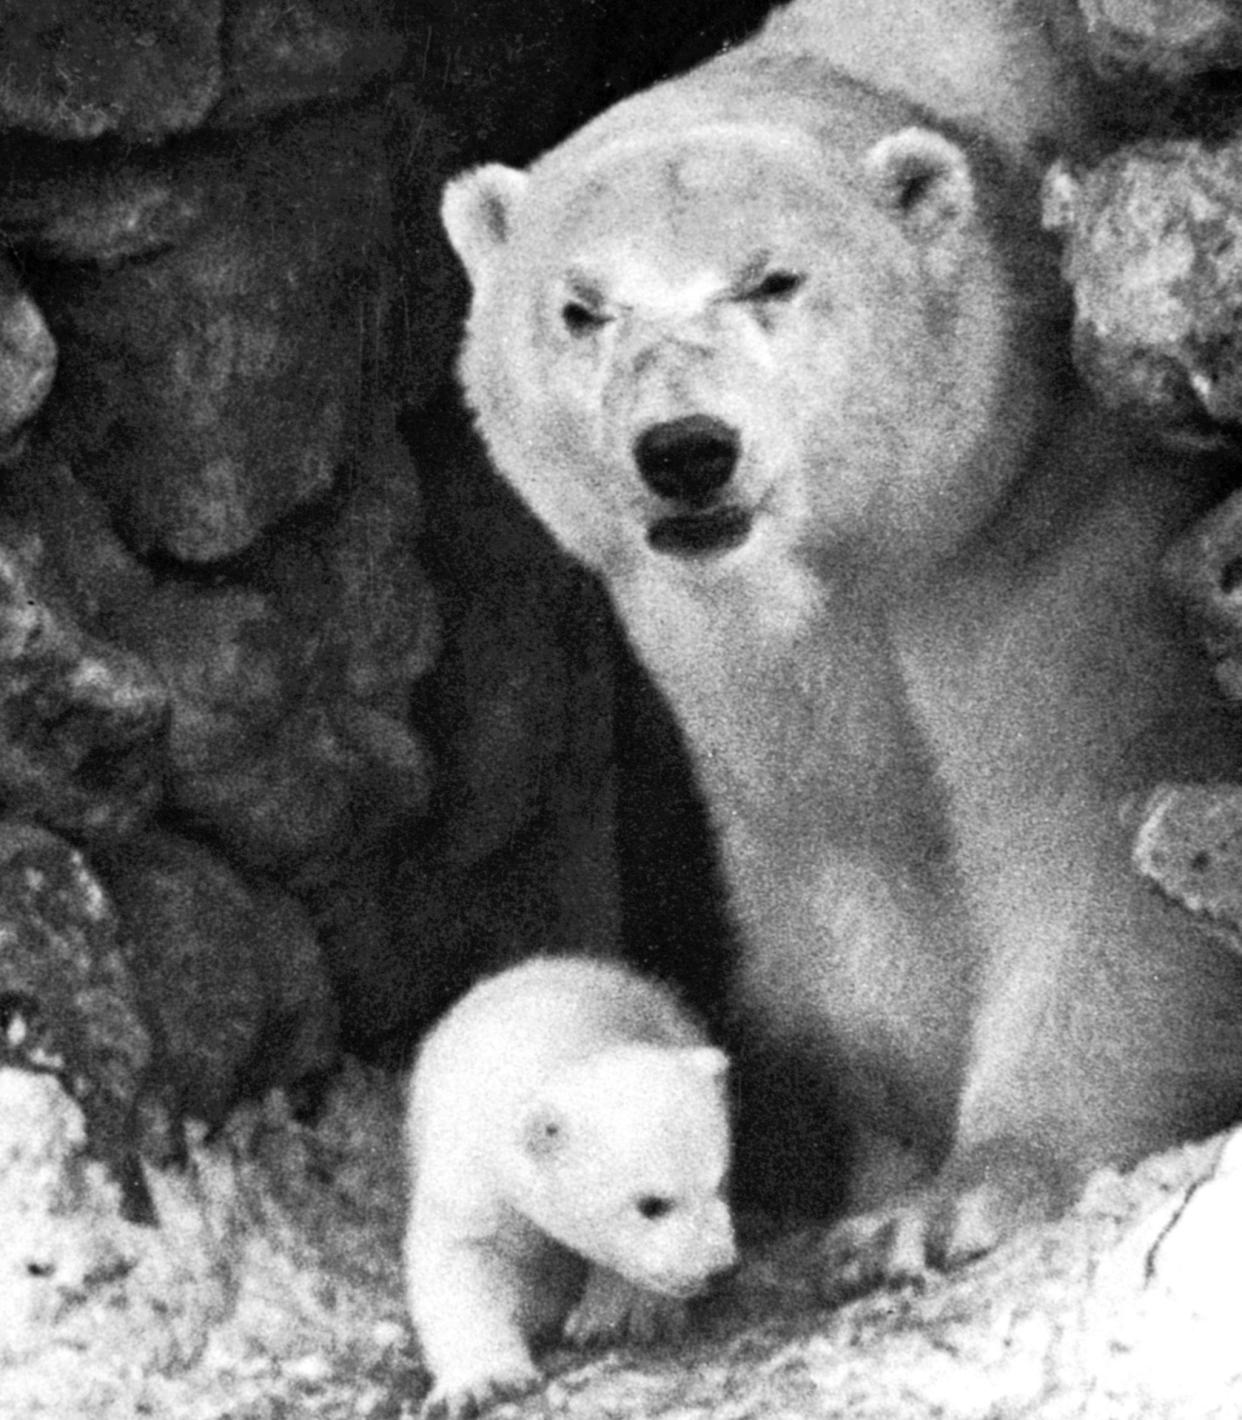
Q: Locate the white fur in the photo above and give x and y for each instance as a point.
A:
(546, 1110)
(921, 683)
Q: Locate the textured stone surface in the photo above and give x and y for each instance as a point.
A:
(402, 712)
(98, 573)
(209, 391)
(55, 1209)
(1172, 40)
(68, 998)
(354, 579)
(27, 359)
(286, 52)
(228, 972)
(291, 734)
(79, 205)
(82, 722)
(328, 778)
(1153, 250)
(1190, 847)
(231, 667)
(82, 68)
(1204, 572)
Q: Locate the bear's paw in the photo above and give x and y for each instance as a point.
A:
(981, 1198)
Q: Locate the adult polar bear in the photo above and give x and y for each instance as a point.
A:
(778, 352)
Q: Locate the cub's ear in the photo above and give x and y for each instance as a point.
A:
(711, 1062)
(924, 180)
(544, 1132)
(477, 212)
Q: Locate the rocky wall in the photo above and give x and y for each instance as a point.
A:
(302, 721)
(1152, 248)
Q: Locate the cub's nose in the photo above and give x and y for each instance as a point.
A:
(687, 459)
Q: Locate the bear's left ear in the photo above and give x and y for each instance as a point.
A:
(477, 211)
(544, 1131)
(924, 180)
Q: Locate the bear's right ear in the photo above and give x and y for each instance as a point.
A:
(477, 212)
(924, 179)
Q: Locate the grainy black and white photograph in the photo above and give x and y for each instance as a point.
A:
(620, 710)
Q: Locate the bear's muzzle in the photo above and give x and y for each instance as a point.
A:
(688, 460)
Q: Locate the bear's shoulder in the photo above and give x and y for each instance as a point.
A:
(1014, 69)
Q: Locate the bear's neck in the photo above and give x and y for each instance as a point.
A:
(788, 691)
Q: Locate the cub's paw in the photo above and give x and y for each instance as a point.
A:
(612, 1310)
(463, 1397)
(981, 1198)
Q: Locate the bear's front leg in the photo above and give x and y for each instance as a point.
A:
(980, 1198)
(613, 1310)
(467, 1298)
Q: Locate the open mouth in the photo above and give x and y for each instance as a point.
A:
(701, 534)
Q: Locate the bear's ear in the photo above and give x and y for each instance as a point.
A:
(924, 179)
(544, 1129)
(477, 212)
(709, 1061)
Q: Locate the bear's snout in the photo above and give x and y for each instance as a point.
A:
(688, 460)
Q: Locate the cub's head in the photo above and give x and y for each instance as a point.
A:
(696, 335)
(625, 1159)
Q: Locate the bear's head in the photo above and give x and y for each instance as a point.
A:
(731, 314)
(625, 1158)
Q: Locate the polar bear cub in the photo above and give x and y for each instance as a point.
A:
(569, 1144)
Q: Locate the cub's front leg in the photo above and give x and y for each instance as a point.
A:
(469, 1300)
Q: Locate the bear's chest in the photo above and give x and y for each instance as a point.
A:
(791, 701)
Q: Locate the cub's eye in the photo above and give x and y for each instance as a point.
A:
(775, 286)
(581, 319)
(651, 1206)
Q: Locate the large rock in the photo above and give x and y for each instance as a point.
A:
(287, 52)
(229, 975)
(83, 723)
(27, 359)
(68, 997)
(232, 669)
(1170, 40)
(100, 576)
(291, 687)
(84, 68)
(79, 205)
(149, 69)
(208, 392)
(1153, 250)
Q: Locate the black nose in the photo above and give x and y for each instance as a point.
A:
(687, 459)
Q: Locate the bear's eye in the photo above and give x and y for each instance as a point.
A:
(652, 1206)
(581, 319)
(775, 286)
